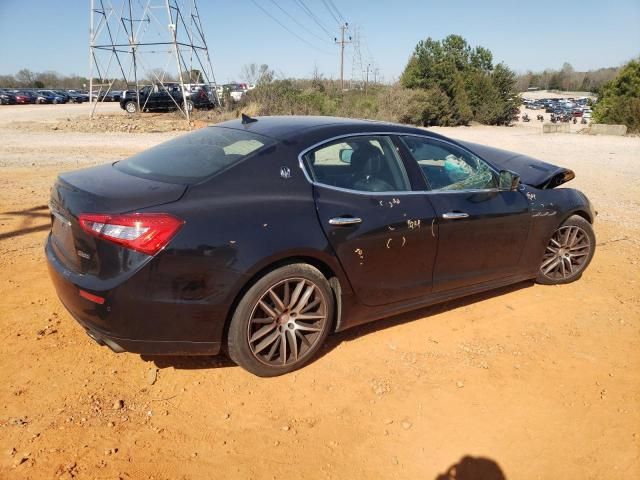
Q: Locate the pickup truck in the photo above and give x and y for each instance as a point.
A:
(167, 97)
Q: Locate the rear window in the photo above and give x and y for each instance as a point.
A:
(194, 157)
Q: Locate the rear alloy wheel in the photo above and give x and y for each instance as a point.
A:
(281, 321)
(131, 107)
(189, 106)
(568, 253)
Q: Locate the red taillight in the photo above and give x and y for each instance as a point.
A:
(145, 232)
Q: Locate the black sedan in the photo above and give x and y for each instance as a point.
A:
(264, 235)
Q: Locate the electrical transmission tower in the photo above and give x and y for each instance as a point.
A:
(357, 67)
(148, 41)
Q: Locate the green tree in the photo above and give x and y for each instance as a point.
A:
(619, 102)
(475, 88)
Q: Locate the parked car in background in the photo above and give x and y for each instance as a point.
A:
(56, 97)
(42, 97)
(79, 95)
(21, 98)
(164, 98)
(265, 235)
(64, 94)
(231, 91)
(103, 96)
(74, 97)
(33, 96)
(7, 98)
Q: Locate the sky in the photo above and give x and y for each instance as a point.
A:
(53, 35)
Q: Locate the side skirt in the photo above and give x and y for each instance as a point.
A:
(354, 313)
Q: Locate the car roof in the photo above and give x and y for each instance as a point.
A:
(287, 127)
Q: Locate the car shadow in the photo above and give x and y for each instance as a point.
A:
(365, 329)
(473, 468)
(221, 361)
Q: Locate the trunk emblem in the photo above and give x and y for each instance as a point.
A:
(84, 255)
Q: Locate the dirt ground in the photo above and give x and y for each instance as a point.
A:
(527, 382)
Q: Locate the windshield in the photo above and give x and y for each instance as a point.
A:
(193, 157)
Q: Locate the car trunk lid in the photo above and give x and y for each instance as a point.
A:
(103, 190)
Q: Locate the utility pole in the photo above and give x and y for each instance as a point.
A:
(342, 43)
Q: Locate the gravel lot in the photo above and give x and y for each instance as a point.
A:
(534, 382)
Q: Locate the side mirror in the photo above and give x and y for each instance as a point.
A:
(509, 180)
(345, 155)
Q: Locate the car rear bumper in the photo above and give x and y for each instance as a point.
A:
(125, 324)
(147, 347)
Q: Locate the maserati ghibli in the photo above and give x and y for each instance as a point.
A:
(261, 236)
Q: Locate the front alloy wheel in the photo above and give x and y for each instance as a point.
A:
(568, 253)
(281, 321)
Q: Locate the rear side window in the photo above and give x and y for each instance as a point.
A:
(361, 163)
(192, 158)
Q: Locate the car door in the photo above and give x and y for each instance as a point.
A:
(380, 231)
(482, 229)
(161, 99)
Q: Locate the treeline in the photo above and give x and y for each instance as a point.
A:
(25, 78)
(567, 79)
(445, 83)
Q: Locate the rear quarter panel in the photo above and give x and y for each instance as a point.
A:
(238, 223)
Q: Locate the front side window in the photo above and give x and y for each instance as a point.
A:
(362, 163)
(447, 167)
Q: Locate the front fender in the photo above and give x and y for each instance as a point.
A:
(549, 209)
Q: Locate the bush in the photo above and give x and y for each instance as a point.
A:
(459, 86)
(620, 99)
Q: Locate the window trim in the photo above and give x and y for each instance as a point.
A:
(399, 159)
(438, 140)
(301, 164)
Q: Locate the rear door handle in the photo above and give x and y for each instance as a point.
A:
(345, 220)
(454, 215)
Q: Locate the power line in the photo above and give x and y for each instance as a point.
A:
(297, 22)
(312, 16)
(266, 12)
(330, 11)
(336, 10)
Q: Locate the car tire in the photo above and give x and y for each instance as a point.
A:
(568, 253)
(189, 106)
(271, 313)
(55, 101)
(131, 107)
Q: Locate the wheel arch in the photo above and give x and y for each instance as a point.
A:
(331, 273)
(580, 212)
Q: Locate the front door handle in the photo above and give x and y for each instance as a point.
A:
(454, 215)
(345, 220)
